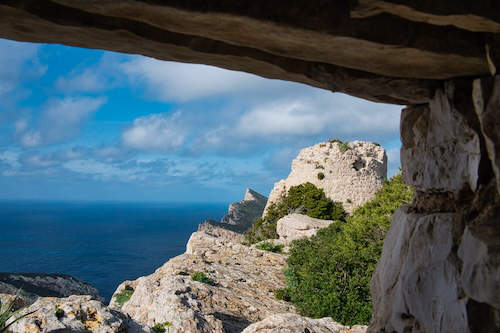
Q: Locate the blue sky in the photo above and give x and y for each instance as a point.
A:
(79, 124)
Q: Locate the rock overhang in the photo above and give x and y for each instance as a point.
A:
(386, 51)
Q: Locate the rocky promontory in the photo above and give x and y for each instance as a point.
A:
(348, 172)
(219, 284)
(239, 217)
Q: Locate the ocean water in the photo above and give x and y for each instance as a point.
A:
(101, 243)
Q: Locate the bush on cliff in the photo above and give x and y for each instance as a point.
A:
(304, 199)
(329, 274)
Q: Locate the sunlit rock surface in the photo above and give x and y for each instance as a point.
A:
(242, 292)
(293, 323)
(297, 226)
(71, 314)
(349, 173)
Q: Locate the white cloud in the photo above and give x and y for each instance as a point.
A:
(61, 119)
(289, 118)
(103, 171)
(10, 158)
(18, 61)
(89, 81)
(157, 132)
(171, 81)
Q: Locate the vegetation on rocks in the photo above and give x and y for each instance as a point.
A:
(59, 313)
(268, 246)
(201, 277)
(304, 199)
(8, 311)
(160, 328)
(329, 274)
(123, 296)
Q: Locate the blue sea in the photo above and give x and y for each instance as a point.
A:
(101, 243)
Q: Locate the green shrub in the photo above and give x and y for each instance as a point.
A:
(201, 277)
(344, 146)
(59, 313)
(329, 274)
(123, 296)
(8, 311)
(282, 294)
(160, 328)
(321, 175)
(304, 199)
(268, 246)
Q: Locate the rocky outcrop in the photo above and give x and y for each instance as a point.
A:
(241, 291)
(349, 173)
(244, 213)
(293, 323)
(72, 314)
(440, 265)
(34, 285)
(239, 218)
(297, 226)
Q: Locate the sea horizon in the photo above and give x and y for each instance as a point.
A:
(100, 242)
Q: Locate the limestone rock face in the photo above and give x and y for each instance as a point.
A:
(239, 218)
(293, 323)
(297, 226)
(79, 314)
(34, 285)
(436, 138)
(349, 174)
(244, 280)
(440, 265)
(416, 283)
(243, 213)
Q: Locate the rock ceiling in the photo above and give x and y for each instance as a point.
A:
(395, 51)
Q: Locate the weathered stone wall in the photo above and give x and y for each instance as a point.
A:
(349, 174)
(440, 266)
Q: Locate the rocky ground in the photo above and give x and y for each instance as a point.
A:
(242, 291)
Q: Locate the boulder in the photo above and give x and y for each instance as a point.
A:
(293, 323)
(297, 226)
(350, 173)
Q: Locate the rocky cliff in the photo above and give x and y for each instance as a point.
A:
(239, 218)
(34, 285)
(349, 173)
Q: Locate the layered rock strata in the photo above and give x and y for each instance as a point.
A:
(440, 265)
(350, 173)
